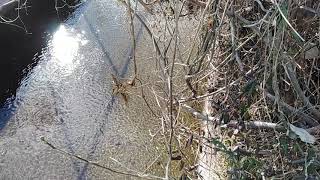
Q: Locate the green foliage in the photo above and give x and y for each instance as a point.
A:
(250, 88)
(284, 144)
(251, 164)
(218, 144)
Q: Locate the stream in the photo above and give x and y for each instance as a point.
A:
(64, 94)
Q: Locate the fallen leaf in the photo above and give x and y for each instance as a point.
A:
(312, 53)
(303, 134)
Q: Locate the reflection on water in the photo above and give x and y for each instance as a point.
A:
(65, 45)
(64, 48)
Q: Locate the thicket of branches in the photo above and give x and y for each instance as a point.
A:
(254, 66)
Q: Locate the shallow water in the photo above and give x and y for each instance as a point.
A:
(67, 98)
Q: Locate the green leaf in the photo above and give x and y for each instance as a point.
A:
(284, 144)
(250, 164)
(218, 144)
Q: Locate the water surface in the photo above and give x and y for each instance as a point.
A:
(67, 98)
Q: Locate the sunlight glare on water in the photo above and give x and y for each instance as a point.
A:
(65, 46)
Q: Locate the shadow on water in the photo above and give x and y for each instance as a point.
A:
(25, 28)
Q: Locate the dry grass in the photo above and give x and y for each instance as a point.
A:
(264, 55)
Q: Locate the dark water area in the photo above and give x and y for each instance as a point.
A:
(25, 29)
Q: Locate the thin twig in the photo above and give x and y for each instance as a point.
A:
(233, 40)
(140, 175)
(286, 20)
(291, 110)
(292, 76)
(199, 115)
(131, 16)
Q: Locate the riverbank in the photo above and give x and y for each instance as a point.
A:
(261, 111)
(265, 125)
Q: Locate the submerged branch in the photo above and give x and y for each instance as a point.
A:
(139, 175)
